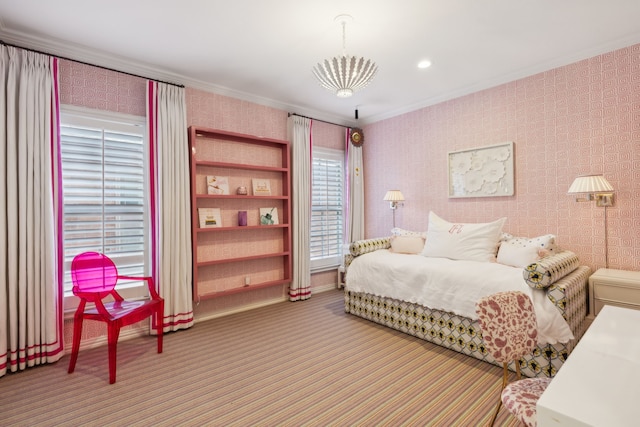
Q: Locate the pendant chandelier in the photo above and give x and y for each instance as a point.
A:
(345, 74)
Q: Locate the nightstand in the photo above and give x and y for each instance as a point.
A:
(613, 287)
(341, 278)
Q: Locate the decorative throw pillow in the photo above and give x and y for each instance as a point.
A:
(396, 231)
(522, 251)
(472, 242)
(407, 244)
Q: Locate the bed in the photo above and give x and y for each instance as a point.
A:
(377, 289)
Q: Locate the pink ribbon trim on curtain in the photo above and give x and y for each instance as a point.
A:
(56, 184)
(153, 114)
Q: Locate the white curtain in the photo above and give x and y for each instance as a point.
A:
(170, 202)
(355, 211)
(300, 137)
(30, 294)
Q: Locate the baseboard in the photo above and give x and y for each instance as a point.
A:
(237, 310)
(100, 341)
(314, 290)
(324, 288)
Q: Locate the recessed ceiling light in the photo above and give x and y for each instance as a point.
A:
(425, 63)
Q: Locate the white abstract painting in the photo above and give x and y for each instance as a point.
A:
(482, 172)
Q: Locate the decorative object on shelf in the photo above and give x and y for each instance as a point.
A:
(345, 74)
(595, 187)
(394, 197)
(217, 184)
(357, 137)
(209, 217)
(269, 216)
(242, 218)
(261, 187)
(482, 172)
(242, 191)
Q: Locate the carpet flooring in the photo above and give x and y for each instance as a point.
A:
(304, 363)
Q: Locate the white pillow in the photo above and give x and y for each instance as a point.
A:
(472, 242)
(522, 251)
(407, 244)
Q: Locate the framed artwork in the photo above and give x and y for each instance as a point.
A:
(482, 172)
(217, 184)
(269, 216)
(261, 187)
(209, 217)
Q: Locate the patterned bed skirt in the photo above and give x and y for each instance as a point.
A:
(464, 335)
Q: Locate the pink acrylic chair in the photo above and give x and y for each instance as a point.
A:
(510, 331)
(94, 278)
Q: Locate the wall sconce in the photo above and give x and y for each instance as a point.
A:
(394, 197)
(595, 187)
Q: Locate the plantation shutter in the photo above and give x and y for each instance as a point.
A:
(103, 170)
(327, 208)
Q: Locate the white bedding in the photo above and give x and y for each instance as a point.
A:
(450, 285)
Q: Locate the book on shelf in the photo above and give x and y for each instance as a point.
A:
(261, 187)
(269, 216)
(217, 184)
(210, 217)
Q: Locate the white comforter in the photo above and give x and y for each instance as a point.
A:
(450, 285)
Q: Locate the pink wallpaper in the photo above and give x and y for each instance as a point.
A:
(95, 88)
(234, 115)
(581, 118)
(91, 87)
(327, 135)
(577, 119)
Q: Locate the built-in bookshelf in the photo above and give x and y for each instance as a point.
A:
(241, 212)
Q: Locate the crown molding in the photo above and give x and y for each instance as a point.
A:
(515, 75)
(80, 53)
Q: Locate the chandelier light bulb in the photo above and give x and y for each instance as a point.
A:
(344, 93)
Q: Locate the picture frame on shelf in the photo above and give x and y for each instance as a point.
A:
(269, 216)
(210, 217)
(217, 185)
(261, 187)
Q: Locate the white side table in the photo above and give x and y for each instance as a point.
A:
(598, 384)
(620, 288)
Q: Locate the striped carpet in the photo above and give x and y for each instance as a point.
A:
(289, 364)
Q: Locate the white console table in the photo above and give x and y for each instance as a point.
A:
(599, 384)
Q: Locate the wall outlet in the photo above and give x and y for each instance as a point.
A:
(247, 281)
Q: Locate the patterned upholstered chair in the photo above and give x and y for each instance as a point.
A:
(509, 331)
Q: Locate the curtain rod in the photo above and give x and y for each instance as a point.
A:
(86, 63)
(318, 120)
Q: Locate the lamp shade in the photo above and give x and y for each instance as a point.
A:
(590, 184)
(394, 196)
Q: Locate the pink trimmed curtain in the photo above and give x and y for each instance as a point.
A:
(300, 136)
(170, 202)
(31, 321)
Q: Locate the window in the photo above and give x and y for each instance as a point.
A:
(104, 189)
(327, 208)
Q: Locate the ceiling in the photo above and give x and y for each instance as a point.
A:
(263, 51)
